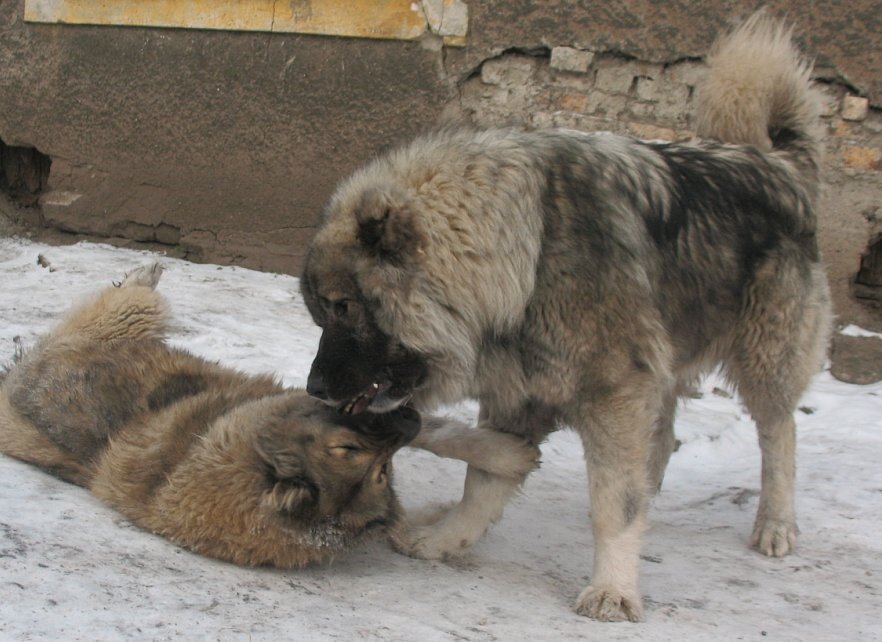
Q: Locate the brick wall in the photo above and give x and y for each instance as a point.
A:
(584, 90)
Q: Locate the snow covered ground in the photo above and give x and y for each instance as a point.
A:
(72, 569)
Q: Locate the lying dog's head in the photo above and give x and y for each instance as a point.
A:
(327, 476)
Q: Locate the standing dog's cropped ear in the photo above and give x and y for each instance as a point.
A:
(387, 226)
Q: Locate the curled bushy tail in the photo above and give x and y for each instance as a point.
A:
(758, 92)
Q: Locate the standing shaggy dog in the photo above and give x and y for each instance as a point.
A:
(586, 280)
(229, 465)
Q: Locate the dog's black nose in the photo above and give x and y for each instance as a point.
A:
(315, 387)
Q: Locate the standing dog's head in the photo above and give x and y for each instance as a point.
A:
(423, 257)
(361, 364)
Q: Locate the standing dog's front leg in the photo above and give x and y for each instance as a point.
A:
(498, 464)
(483, 501)
(616, 434)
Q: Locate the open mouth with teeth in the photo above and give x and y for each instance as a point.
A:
(364, 399)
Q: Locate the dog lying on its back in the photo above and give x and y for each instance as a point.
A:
(229, 465)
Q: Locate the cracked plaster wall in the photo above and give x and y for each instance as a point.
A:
(224, 146)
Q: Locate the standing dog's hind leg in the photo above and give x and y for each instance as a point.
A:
(664, 443)
(781, 344)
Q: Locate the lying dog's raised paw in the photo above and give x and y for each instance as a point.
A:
(146, 276)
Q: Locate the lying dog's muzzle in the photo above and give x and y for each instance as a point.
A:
(393, 429)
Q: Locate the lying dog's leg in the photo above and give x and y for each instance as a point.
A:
(21, 439)
(131, 311)
(491, 451)
(76, 387)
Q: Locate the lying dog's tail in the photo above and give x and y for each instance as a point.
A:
(759, 92)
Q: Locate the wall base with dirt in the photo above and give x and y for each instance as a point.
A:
(223, 146)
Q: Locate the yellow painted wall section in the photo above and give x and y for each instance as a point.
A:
(389, 19)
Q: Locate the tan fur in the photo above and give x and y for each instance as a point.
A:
(20, 439)
(758, 81)
(229, 465)
(562, 278)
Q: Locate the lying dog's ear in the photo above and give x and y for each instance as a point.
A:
(387, 227)
(288, 489)
(294, 497)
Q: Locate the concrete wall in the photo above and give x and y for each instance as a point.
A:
(224, 146)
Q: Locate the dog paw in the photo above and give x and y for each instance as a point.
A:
(517, 459)
(145, 276)
(412, 541)
(774, 537)
(609, 605)
(430, 542)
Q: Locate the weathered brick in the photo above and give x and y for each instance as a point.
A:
(618, 76)
(570, 59)
(581, 122)
(841, 128)
(653, 132)
(573, 102)
(829, 103)
(855, 107)
(603, 104)
(863, 158)
(871, 124)
(648, 89)
(508, 70)
(541, 119)
(688, 72)
(674, 102)
(614, 80)
(644, 111)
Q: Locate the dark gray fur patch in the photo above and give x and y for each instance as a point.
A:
(76, 409)
(174, 388)
(698, 220)
(534, 421)
(632, 506)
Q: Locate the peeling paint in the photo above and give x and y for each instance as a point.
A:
(383, 19)
(60, 198)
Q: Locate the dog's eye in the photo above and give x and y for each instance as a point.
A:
(341, 308)
(343, 450)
